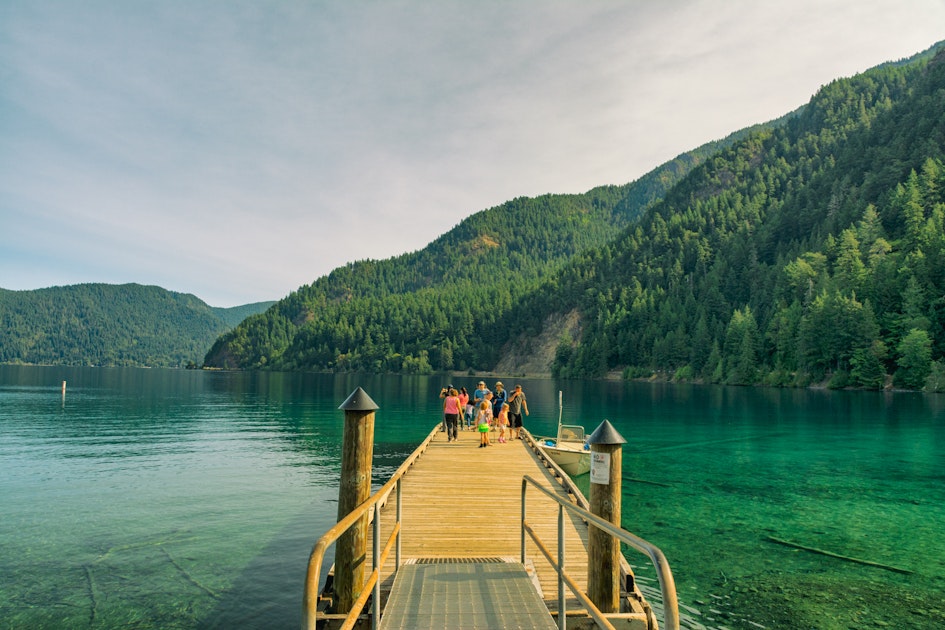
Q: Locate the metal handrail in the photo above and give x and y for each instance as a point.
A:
(564, 479)
(379, 559)
(663, 572)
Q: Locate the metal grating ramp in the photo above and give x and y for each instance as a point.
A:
(455, 560)
(469, 596)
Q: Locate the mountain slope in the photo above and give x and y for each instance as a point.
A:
(418, 311)
(110, 325)
(814, 249)
(727, 265)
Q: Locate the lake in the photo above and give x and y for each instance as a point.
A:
(190, 499)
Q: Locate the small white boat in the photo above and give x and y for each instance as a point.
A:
(568, 449)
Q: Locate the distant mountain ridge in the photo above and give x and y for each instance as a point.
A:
(111, 325)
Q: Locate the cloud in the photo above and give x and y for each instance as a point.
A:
(238, 150)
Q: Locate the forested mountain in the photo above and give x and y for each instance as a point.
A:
(813, 250)
(425, 310)
(111, 325)
(808, 249)
(233, 315)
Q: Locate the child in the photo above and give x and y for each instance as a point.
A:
(483, 420)
(503, 421)
(463, 403)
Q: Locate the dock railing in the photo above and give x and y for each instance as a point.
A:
(372, 585)
(665, 576)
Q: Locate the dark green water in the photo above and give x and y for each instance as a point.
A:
(176, 499)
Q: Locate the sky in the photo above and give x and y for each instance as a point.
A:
(239, 150)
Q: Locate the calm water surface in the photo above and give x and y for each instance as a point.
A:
(178, 499)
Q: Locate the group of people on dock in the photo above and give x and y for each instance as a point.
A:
(484, 412)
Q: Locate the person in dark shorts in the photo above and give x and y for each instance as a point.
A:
(452, 410)
(517, 404)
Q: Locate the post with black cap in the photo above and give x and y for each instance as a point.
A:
(603, 550)
(356, 455)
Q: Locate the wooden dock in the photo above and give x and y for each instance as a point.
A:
(462, 503)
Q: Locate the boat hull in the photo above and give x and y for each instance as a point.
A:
(573, 461)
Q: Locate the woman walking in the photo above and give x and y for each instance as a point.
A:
(451, 411)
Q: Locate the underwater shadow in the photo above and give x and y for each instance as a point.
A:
(268, 593)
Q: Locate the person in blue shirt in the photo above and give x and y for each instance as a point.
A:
(479, 395)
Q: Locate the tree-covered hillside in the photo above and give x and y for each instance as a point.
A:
(808, 248)
(423, 310)
(110, 325)
(813, 250)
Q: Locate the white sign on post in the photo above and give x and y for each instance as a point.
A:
(600, 468)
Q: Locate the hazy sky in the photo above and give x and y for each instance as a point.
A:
(238, 150)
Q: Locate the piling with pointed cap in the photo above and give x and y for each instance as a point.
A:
(603, 550)
(356, 454)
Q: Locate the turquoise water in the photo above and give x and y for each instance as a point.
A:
(188, 499)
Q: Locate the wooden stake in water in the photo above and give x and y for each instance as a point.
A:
(63, 391)
(357, 451)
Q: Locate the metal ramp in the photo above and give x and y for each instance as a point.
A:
(475, 594)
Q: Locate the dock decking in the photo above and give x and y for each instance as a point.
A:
(461, 501)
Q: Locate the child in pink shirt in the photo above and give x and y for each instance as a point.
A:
(503, 421)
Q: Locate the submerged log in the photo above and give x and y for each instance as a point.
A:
(831, 554)
(652, 483)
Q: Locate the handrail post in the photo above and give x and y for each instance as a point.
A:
(376, 565)
(400, 513)
(355, 488)
(522, 547)
(603, 549)
(562, 604)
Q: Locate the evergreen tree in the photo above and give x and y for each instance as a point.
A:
(915, 360)
(866, 366)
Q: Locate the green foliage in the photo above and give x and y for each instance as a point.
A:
(828, 231)
(832, 330)
(936, 380)
(742, 345)
(867, 368)
(685, 373)
(839, 380)
(915, 360)
(109, 325)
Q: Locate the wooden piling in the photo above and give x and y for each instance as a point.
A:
(603, 550)
(354, 489)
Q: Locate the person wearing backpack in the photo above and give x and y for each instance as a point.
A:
(499, 398)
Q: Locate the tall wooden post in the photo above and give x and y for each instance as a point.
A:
(356, 455)
(603, 550)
